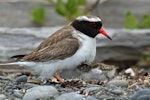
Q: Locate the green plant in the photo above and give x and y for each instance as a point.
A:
(69, 9)
(131, 22)
(38, 15)
(146, 21)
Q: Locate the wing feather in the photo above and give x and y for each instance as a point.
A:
(60, 45)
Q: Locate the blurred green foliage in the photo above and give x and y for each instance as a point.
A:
(146, 21)
(38, 15)
(131, 22)
(69, 9)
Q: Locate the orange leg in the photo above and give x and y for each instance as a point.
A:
(58, 77)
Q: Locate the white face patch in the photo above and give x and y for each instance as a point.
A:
(90, 19)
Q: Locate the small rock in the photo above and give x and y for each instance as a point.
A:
(18, 94)
(30, 85)
(70, 96)
(147, 83)
(118, 83)
(116, 91)
(91, 98)
(2, 97)
(91, 89)
(40, 92)
(93, 74)
(111, 73)
(105, 97)
(22, 78)
(143, 94)
(144, 97)
(130, 71)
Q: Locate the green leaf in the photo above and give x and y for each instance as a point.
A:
(71, 5)
(81, 2)
(60, 8)
(146, 21)
(131, 21)
(50, 1)
(38, 14)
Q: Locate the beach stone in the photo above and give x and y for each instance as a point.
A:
(118, 83)
(70, 96)
(30, 85)
(143, 94)
(93, 74)
(92, 89)
(111, 73)
(18, 94)
(40, 92)
(105, 97)
(116, 91)
(2, 97)
(91, 98)
(22, 78)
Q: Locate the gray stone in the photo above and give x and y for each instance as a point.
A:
(40, 92)
(118, 83)
(30, 85)
(90, 98)
(92, 89)
(2, 97)
(105, 97)
(111, 73)
(70, 96)
(18, 94)
(116, 91)
(143, 94)
(22, 78)
(144, 97)
(93, 74)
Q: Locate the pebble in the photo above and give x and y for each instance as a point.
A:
(116, 91)
(2, 97)
(92, 89)
(143, 94)
(30, 85)
(118, 83)
(94, 74)
(105, 97)
(111, 73)
(40, 92)
(70, 96)
(91, 98)
(22, 78)
(18, 94)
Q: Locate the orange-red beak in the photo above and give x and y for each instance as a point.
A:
(102, 31)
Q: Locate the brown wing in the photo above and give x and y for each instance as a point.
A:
(60, 45)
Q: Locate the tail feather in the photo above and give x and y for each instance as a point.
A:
(12, 63)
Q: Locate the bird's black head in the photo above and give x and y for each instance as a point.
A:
(89, 25)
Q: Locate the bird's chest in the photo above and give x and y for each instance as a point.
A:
(87, 49)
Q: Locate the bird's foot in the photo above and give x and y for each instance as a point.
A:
(58, 78)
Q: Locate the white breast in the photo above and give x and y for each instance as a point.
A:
(87, 50)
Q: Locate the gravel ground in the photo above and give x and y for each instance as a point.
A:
(123, 86)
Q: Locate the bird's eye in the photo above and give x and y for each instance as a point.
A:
(93, 24)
